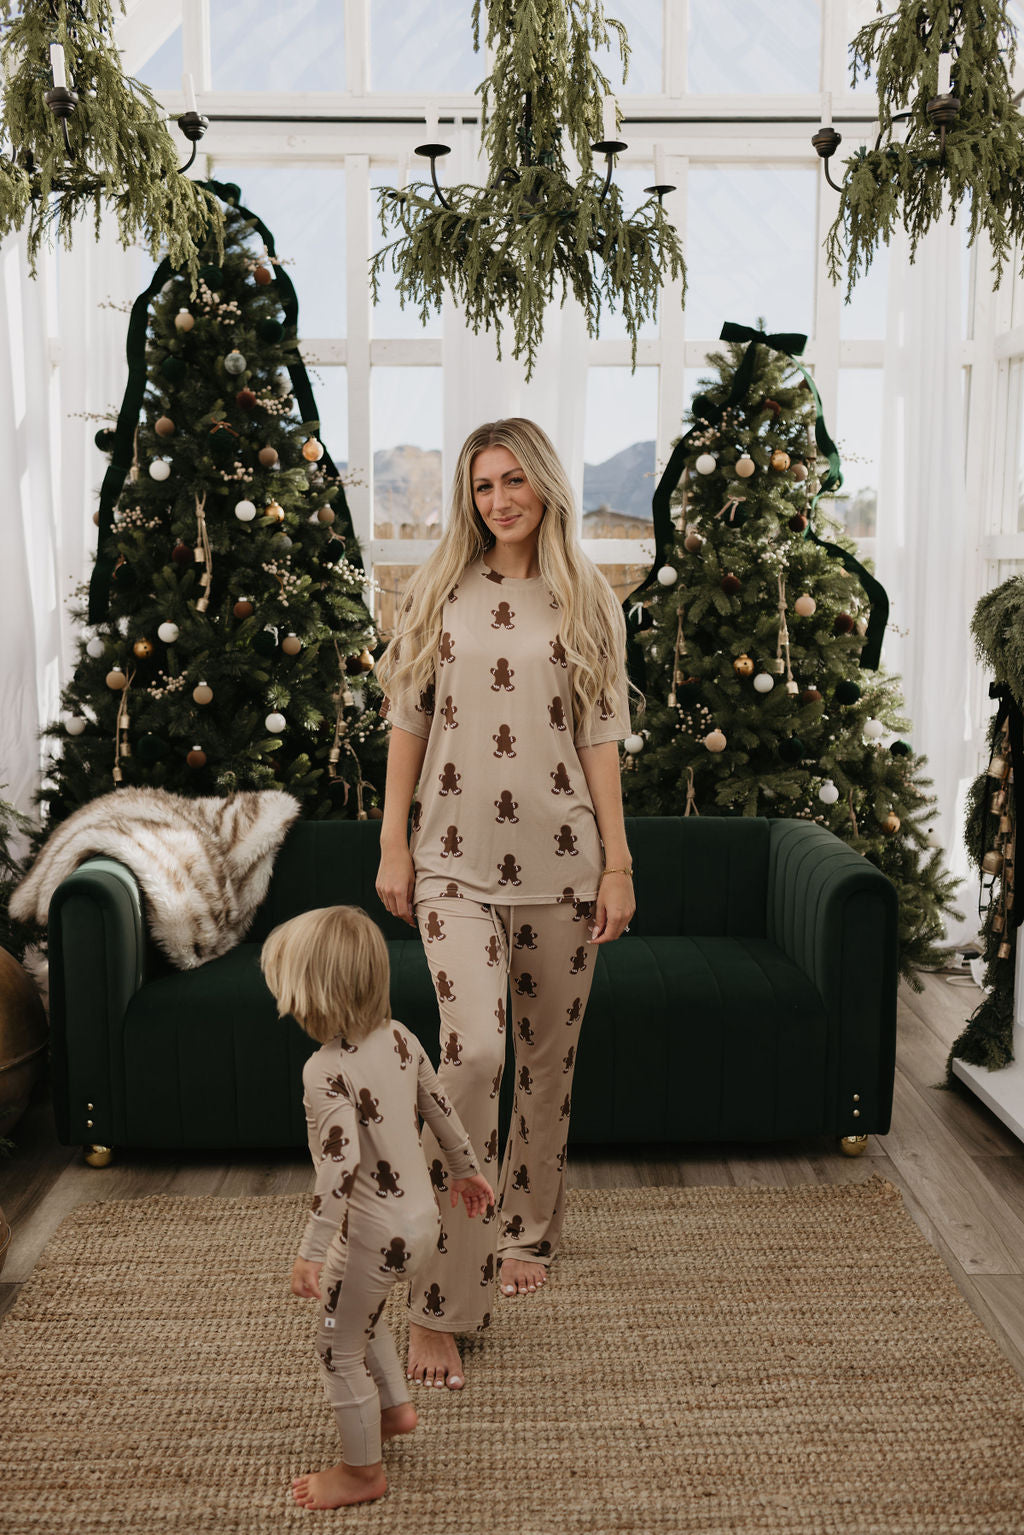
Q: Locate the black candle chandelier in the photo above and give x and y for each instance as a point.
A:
(62, 101)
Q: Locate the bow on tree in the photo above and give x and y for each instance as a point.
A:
(707, 413)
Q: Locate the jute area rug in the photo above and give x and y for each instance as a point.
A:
(787, 1360)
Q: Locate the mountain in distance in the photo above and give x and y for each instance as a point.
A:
(624, 483)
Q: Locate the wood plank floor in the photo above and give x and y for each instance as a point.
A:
(961, 1172)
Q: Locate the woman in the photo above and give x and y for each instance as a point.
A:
(507, 694)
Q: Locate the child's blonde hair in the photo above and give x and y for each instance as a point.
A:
(329, 968)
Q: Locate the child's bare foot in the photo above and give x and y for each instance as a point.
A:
(518, 1278)
(434, 1359)
(340, 1485)
(400, 1419)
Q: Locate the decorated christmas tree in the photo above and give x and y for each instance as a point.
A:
(228, 644)
(756, 641)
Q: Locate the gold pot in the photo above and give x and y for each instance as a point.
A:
(23, 1033)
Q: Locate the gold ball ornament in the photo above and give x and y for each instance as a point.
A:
(312, 450)
(183, 320)
(715, 741)
(267, 456)
(291, 644)
(196, 758)
(163, 426)
(326, 515)
(116, 679)
(780, 460)
(143, 649)
(805, 605)
(693, 542)
(743, 666)
(365, 660)
(202, 693)
(891, 823)
(273, 510)
(992, 862)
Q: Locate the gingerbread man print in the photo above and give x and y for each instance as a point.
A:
(502, 616)
(387, 1181)
(563, 1112)
(453, 1050)
(437, 1175)
(450, 843)
(504, 741)
(578, 963)
(401, 1049)
(526, 1031)
(336, 1088)
(333, 1145)
(452, 890)
(514, 1228)
(496, 1083)
(570, 1056)
(565, 837)
(525, 937)
(573, 1015)
(525, 985)
(434, 1301)
(493, 951)
(506, 807)
(487, 1270)
(524, 1134)
(499, 1013)
(560, 778)
(443, 986)
(416, 811)
(395, 1257)
(368, 1108)
(447, 648)
(502, 674)
(449, 779)
(426, 703)
(556, 714)
(521, 1179)
(450, 710)
(558, 656)
(508, 870)
(525, 1079)
(333, 1296)
(491, 1147)
(435, 928)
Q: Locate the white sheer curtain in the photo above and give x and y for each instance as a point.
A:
(926, 540)
(61, 361)
(478, 388)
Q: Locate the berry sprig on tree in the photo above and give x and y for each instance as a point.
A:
(233, 649)
(757, 703)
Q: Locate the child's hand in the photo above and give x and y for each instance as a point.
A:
(306, 1278)
(476, 1193)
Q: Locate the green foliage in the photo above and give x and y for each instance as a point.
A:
(781, 745)
(302, 575)
(508, 249)
(123, 161)
(913, 184)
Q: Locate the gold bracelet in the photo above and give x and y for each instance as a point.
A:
(618, 871)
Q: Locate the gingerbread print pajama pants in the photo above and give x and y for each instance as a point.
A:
(543, 955)
(361, 1371)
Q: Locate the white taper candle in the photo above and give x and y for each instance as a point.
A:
(945, 72)
(826, 109)
(660, 177)
(57, 65)
(188, 86)
(432, 129)
(610, 130)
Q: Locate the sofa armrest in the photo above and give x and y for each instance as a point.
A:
(98, 951)
(836, 916)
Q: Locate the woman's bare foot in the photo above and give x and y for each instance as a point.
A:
(518, 1278)
(401, 1419)
(434, 1359)
(340, 1485)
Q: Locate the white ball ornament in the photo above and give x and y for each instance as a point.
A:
(745, 466)
(234, 362)
(715, 741)
(116, 679)
(159, 469)
(763, 683)
(167, 632)
(805, 605)
(667, 576)
(74, 724)
(707, 463)
(633, 744)
(275, 723)
(873, 729)
(95, 647)
(245, 511)
(828, 793)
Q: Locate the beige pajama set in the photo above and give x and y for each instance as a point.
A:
(374, 1217)
(507, 858)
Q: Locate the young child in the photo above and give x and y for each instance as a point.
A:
(374, 1215)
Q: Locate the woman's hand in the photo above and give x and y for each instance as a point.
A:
(614, 907)
(306, 1278)
(476, 1193)
(396, 881)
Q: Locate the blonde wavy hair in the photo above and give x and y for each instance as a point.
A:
(592, 628)
(329, 968)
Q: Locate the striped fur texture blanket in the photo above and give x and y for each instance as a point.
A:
(204, 865)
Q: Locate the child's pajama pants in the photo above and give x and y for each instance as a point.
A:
(361, 1372)
(474, 951)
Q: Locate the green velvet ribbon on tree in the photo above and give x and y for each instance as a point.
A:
(122, 453)
(707, 413)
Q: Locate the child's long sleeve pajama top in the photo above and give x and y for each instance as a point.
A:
(374, 1216)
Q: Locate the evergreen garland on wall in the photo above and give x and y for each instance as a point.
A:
(507, 250)
(916, 183)
(123, 160)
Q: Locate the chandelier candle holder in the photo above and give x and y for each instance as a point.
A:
(507, 250)
(82, 136)
(949, 134)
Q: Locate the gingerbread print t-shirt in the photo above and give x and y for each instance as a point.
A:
(502, 811)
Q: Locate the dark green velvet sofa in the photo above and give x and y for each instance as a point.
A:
(754, 998)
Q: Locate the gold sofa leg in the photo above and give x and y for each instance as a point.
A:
(99, 1156)
(853, 1145)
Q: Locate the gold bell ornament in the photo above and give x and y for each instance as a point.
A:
(992, 862)
(743, 666)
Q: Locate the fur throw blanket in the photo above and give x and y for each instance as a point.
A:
(204, 865)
